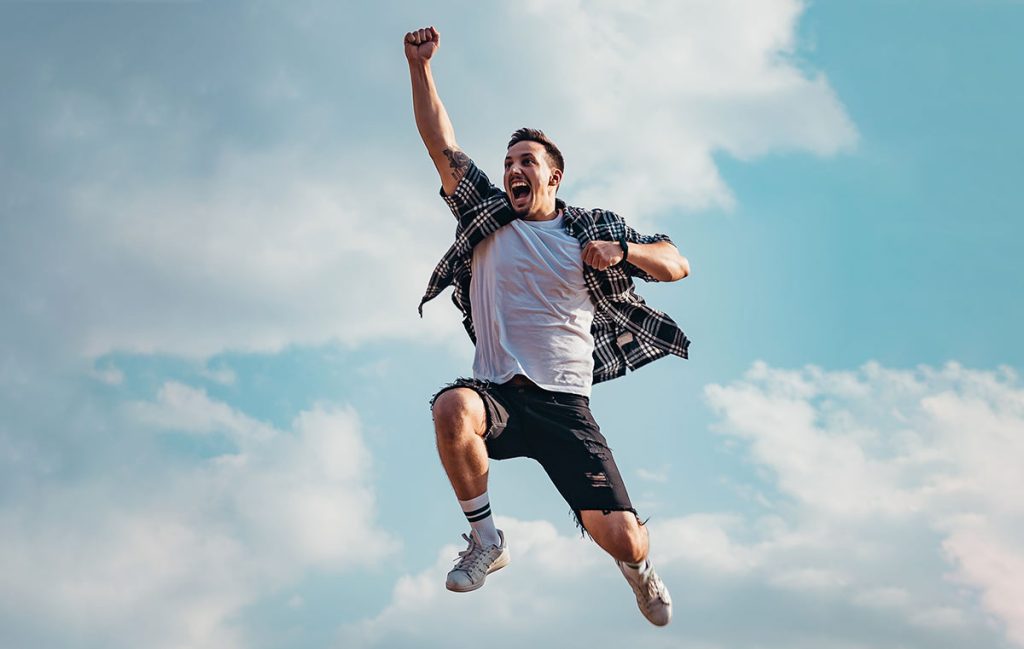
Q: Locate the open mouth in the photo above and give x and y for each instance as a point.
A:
(519, 189)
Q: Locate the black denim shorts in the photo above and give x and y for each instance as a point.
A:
(557, 430)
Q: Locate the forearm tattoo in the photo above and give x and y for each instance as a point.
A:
(458, 161)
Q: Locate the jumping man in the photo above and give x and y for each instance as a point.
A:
(547, 296)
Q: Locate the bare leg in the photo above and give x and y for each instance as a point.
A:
(623, 537)
(618, 533)
(460, 422)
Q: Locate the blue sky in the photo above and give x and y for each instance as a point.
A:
(216, 223)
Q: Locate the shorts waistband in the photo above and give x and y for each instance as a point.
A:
(520, 381)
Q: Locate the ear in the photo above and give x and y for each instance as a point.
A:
(556, 177)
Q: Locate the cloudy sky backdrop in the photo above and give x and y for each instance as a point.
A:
(216, 220)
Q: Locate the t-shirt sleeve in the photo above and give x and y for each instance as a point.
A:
(474, 191)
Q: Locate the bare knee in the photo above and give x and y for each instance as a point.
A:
(632, 545)
(457, 412)
(619, 533)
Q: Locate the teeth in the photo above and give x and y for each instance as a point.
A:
(519, 187)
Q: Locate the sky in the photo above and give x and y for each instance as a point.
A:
(217, 219)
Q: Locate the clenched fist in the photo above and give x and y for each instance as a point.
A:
(421, 44)
(601, 255)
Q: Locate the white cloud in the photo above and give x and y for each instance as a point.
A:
(902, 456)
(248, 265)
(305, 495)
(109, 374)
(809, 579)
(703, 541)
(186, 409)
(221, 374)
(989, 558)
(882, 597)
(642, 95)
(940, 617)
(167, 550)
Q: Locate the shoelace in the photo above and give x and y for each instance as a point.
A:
(655, 590)
(470, 558)
(648, 590)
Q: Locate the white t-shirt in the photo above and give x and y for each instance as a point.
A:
(531, 309)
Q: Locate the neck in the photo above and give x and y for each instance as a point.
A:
(546, 213)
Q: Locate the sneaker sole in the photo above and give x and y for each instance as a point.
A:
(500, 563)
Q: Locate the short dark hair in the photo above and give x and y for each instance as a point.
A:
(536, 135)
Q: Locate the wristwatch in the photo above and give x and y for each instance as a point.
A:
(625, 249)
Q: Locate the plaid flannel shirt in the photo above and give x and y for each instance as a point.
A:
(628, 333)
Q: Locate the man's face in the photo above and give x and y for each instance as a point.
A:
(530, 181)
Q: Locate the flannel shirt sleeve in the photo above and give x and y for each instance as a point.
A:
(632, 236)
(474, 191)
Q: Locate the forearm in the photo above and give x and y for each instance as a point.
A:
(432, 120)
(660, 260)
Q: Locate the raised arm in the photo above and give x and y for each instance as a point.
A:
(431, 118)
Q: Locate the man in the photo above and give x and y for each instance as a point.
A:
(547, 297)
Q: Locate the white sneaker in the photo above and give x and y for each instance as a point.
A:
(476, 562)
(651, 595)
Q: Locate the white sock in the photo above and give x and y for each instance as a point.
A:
(637, 569)
(478, 513)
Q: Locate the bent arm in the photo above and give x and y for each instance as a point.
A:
(432, 120)
(660, 260)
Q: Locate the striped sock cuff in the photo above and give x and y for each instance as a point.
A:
(479, 514)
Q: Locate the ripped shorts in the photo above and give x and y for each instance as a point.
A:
(558, 430)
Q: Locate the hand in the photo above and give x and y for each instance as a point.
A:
(421, 44)
(601, 255)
